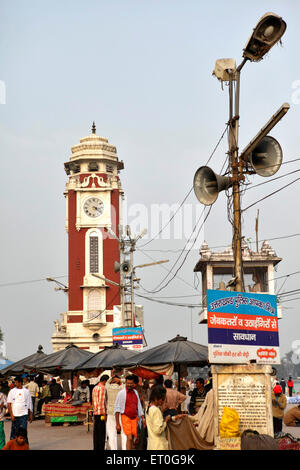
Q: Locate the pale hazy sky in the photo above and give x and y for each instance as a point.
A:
(143, 71)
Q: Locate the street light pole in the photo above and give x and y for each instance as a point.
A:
(132, 275)
(207, 184)
(237, 174)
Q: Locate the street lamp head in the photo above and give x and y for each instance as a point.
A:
(266, 34)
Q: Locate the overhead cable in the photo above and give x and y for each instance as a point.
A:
(172, 217)
(185, 257)
(271, 194)
(176, 304)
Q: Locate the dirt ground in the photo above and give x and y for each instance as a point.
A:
(56, 437)
(75, 436)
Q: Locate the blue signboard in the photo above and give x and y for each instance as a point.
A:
(131, 337)
(242, 326)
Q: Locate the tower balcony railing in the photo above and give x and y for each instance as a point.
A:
(94, 318)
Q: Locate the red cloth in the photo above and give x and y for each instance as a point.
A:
(131, 405)
(67, 397)
(145, 373)
(287, 444)
(61, 409)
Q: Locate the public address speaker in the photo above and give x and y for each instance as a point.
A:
(125, 267)
(266, 158)
(208, 184)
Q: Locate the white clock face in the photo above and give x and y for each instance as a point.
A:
(93, 207)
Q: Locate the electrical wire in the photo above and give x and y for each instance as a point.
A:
(217, 145)
(162, 266)
(272, 179)
(159, 288)
(176, 304)
(271, 194)
(225, 246)
(106, 308)
(293, 292)
(188, 252)
(263, 239)
(278, 292)
(177, 296)
(243, 189)
(148, 256)
(172, 217)
(27, 282)
(283, 163)
(289, 300)
(181, 252)
(286, 275)
(196, 281)
(170, 220)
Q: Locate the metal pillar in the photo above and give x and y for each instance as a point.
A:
(236, 165)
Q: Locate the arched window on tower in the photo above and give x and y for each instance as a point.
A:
(94, 253)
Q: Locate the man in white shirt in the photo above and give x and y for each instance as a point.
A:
(34, 389)
(19, 406)
(112, 388)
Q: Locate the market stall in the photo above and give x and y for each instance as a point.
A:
(174, 356)
(95, 365)
(65, 413)
(56, 362)
(23, 365)
(103, 360)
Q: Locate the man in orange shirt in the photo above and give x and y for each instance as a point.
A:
(99, 410)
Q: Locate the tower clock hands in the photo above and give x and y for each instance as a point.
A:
(93, 207)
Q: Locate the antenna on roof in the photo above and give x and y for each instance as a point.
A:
(256, 229)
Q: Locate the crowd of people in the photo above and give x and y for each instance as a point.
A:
(128, 412)
(137, 410)
(291, 417)
(22, 400)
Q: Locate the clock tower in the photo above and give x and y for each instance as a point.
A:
(93, 205)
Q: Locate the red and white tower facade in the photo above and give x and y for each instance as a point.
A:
(93, 205)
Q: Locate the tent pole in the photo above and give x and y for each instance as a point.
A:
(178, 385)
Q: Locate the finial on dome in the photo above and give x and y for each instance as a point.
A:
(94, 128)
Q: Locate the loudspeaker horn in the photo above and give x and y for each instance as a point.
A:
(125, 267)
(208, 184)
(266, 158)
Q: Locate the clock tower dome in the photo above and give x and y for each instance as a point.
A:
(93, 205)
